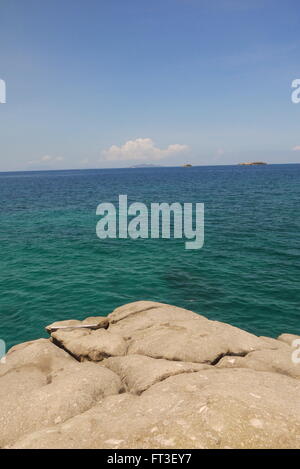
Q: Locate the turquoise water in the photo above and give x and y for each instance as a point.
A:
(53, 266)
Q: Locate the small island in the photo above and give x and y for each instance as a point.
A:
(253, 163)
(145, 165)
(187, 165)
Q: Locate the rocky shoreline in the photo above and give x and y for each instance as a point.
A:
(150, 375)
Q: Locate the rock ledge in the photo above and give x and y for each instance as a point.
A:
(150, 375)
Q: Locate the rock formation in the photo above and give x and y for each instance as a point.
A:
(150, 375)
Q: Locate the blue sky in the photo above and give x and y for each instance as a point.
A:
(111, 83)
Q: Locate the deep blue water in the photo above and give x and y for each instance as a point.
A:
(53, 266)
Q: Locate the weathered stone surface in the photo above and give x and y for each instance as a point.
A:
(207, 409)
(33, 398)
(277, 361)
(141, 315)
(138, 372)
(84, 344)
(19, 381)
(288, 338)
(194, 340)
(274, 344)
(189, 382)
(41, 354)
(141, 307)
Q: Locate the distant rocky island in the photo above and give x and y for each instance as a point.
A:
(150, 375)
(146, 166)
(187, 165)
(253, 163)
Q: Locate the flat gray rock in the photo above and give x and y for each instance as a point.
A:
(193, 340)
(48, 388)
(288, 338)
(207, 409)
(138, 372)
(277, 361)
(86, 344)
(150, 375)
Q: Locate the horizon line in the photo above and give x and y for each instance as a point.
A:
(134, 167)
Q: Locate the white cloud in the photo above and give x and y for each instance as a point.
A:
(296, 148)
(46, 159)
(142, 149)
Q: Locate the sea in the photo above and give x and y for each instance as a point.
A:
(54, 267)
